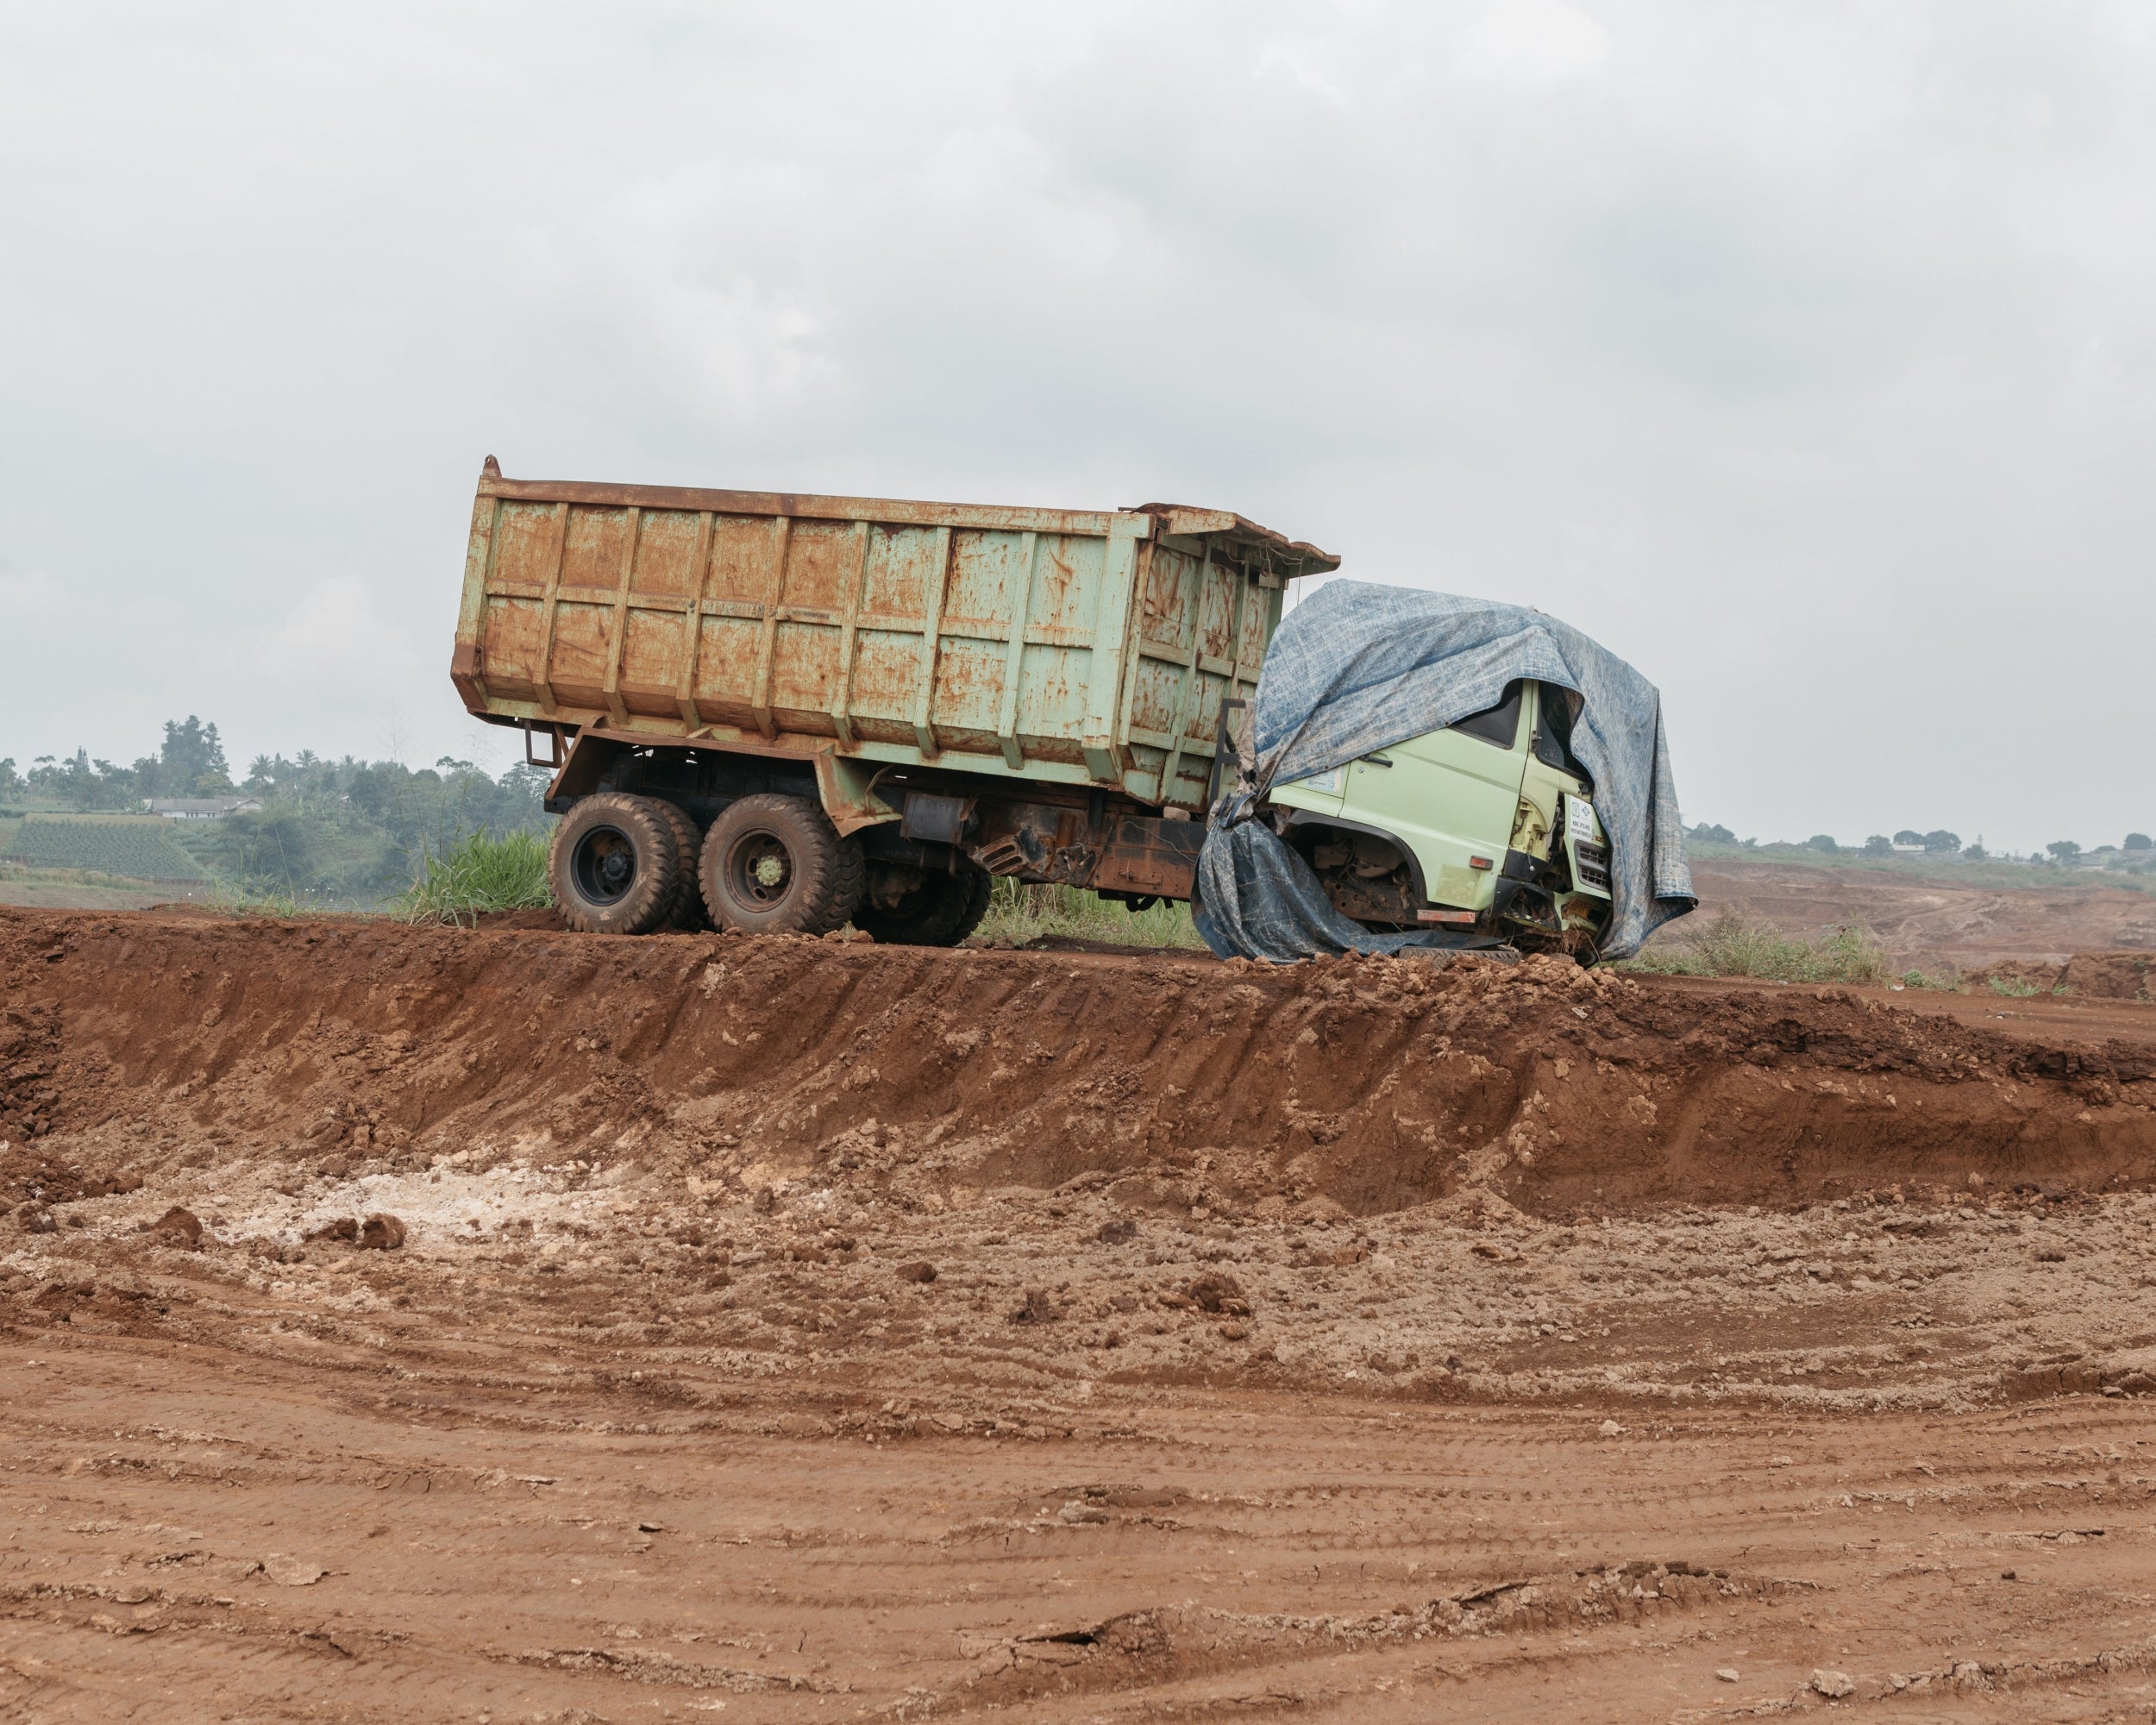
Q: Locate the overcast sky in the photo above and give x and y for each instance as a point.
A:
(1803, 354)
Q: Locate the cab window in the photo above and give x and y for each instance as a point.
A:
(1498, 725)
(1553, 731)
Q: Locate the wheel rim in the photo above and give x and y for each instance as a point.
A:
(604, 866)
(760, 870)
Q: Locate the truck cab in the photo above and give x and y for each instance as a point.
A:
(1487, 826)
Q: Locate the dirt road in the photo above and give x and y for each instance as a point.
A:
(790, 1330)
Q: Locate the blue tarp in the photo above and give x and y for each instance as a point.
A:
(1357, 668)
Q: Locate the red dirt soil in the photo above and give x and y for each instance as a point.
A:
(799, 1329)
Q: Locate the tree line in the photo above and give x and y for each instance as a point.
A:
(2137, 849)
(344, 830)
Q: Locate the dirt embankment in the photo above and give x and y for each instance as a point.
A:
(803, 1328)
(1369, 1085)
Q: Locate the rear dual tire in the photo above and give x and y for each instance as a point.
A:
(941, 912)
(774, 864)
(616, 864)
(770, 864)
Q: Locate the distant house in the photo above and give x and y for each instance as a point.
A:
(201, 808)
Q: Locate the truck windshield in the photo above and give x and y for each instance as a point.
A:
(1499, 724)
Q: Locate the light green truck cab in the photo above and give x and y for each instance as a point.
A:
(1488, 826)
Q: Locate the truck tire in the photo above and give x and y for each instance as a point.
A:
(774, 864)
(688, 911)
(615, 865)
(941, 912)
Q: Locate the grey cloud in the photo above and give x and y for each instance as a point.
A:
(1802, 353)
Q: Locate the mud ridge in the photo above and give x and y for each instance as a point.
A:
(1370, 1085)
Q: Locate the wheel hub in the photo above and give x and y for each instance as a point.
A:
(761, 870)
(604, 865)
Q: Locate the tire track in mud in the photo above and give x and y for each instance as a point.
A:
(1350, 1562)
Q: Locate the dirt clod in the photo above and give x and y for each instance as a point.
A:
(1038, 1307)
(293, 1572)
(381, 1232)
(919, 1271)
(178, 1227)
(1218, 1292)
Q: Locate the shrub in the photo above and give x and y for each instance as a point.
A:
(1019, 913)
(1822, 841)
(1734, 945)
(1878, 846)
(477, 873)
(1948, 983)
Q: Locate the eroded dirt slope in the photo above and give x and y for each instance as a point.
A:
(1368, 1085)
(790, 1330)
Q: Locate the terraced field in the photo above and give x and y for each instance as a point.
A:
(125, 847)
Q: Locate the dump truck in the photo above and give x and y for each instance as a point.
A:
(781, 713)
(786, 713)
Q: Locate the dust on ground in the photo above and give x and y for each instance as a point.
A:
(794, 1329)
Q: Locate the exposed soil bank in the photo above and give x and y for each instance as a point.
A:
(1373, 1085)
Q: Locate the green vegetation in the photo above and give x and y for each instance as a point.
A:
(342, 834)
(356, 832)
(1019, 913)
(2013, 987)
(133, 849)
(478, 873)
(1735, 945)
(191, 763)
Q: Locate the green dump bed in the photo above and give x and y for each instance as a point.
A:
(1086, 647)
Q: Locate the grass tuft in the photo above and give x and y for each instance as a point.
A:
(1734, 945)
(1019, 913)
(478, 874)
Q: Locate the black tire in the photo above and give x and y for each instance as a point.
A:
(615, 865)
(941, 912)
(688, 911)
(774, 864)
